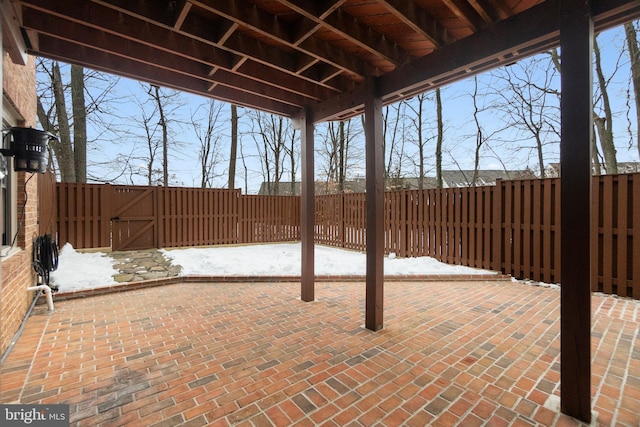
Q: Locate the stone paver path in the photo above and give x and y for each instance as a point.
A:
(135, 266)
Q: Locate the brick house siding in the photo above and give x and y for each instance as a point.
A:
(19, 90)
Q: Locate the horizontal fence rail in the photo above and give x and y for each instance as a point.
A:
(512, 227)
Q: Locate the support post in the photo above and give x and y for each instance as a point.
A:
(576, 41)
(375, 207)
(307, 209)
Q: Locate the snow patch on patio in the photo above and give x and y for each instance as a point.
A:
(80, 270)
(284, 259)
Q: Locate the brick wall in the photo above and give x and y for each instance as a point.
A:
(19, 88)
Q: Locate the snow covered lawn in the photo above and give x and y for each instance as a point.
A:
(78, 270)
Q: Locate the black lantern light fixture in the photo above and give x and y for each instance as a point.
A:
(28, 146)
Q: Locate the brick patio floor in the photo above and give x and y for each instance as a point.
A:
(451, 353)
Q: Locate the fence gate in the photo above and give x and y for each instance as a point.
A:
(134, 222)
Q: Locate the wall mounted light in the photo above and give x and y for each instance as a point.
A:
(28, 146)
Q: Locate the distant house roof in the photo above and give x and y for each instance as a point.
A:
(464, 178)
(279, 189)
(284, 188)
(451, 179)
(553, 169)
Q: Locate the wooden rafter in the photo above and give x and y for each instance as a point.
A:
(467, 14)
(283, 55)
(419, 21)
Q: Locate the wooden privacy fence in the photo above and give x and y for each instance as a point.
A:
(139, 217)
(512, 227)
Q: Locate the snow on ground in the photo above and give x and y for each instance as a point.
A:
(79, 270)
(284, 259)
(90, 270)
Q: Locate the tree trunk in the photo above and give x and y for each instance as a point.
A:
(440, 139)
(555, 57)
(420, 99)
(606, 142)
(479, 134)
(63, 149)
(234, 147)
(634, 54)
(595, 159)
(292, 159)
(341, 157)
(165, 137)
(79, 123)
(540, 154)
(605, 124)
(152, 149)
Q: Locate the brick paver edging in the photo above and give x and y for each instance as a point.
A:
(129, 286)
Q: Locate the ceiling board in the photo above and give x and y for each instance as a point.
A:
(284, 55)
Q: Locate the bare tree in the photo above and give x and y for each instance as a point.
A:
(272, 135)
(208, 131)
(79, 123)
(393, 123)
(154, 93)
(418, 123)
(595, 155)
(153, 146)
(56, 119)
(480, 137)
(529, 104)
(156, 120)
(604, 124)
(424, 133)
(87, 93)
(440, 138)
(336, 151)
(294, 154)
(634, 56)
(234, 147)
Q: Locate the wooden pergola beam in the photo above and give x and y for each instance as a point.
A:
(576, 42)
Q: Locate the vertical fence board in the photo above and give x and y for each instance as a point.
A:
(526, 230)
(496, 220)
(474, 248)
(486, 227)
(466, 247)
(517, 234)
(507, 220)
(440, 234)
(621, 236)
(633, 275)
(608, 256)
(546, 249)
(596, 223)
(557, 267)
(536, 231)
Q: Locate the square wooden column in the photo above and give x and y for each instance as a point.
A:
(576, 41)
(307, 208)
(375, 208)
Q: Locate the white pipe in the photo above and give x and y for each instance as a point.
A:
(47, 292)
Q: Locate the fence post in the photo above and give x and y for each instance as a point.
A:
(497, 241)
(635, 229)
(106, 202)
(159, 194)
